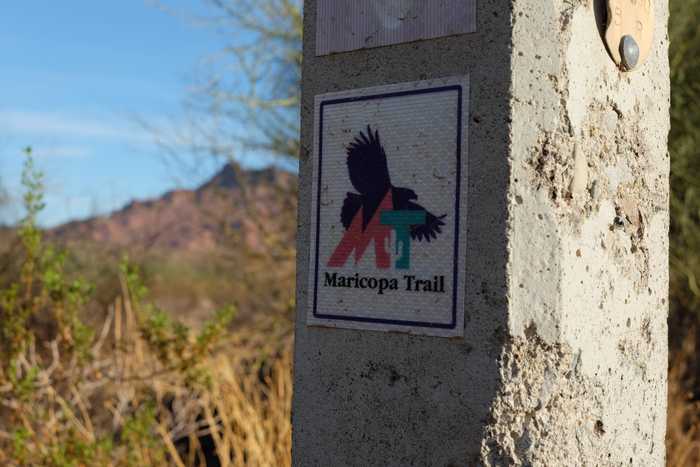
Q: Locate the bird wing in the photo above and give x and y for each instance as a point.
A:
(367, 164)
(402, 196)
(351, 205)
(428, 230)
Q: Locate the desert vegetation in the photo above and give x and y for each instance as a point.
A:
(131, 385)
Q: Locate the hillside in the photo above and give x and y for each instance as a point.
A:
(235, 202)
(230, 241)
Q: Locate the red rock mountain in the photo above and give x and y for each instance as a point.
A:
(235, 205)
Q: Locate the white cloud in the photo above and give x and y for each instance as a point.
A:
(64, 125)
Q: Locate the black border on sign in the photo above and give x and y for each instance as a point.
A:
(362, 319)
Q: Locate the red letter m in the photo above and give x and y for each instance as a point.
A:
(357, 240)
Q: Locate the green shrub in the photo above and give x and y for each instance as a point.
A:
(56, 378)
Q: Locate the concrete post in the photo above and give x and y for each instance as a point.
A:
(563, 356)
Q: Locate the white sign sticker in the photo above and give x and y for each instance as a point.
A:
(344, 25)
(388, 244)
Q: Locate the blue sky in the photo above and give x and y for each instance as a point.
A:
(77, 77)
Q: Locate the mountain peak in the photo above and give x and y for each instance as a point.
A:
(232, 175)
(194, 220)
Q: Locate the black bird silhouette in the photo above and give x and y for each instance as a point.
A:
(369, 174)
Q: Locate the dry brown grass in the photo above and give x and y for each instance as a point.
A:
(683, 418)
(241, 416)
(254, 419)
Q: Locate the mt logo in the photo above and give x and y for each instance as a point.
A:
(379, 207)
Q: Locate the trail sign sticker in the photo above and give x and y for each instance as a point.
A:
(389, 208)
(345, 25)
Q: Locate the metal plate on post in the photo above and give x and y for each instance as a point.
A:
(630, 31)
(344, 25)
(388, 247)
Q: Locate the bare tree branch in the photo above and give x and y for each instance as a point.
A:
(247, 94)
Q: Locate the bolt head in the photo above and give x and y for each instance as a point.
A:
(629, 51)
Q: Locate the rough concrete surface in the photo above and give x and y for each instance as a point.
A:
(564, 356)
